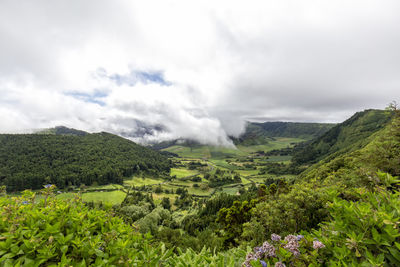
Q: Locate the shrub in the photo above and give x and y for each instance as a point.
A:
(51, 231)
(366, 232)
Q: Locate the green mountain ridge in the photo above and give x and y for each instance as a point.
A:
(27, 161)
(348, 136)
(362, 159)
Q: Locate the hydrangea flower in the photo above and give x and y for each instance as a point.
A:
(249, 258)
(279, 264)
(259, 252)
(292, 245)
(290, 238)
(25, 202)
(300, 237)
(268, 249)
(263, 263)
(48, 185)
(318, 244)
(275, 237)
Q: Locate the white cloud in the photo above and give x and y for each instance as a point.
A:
(222, 62)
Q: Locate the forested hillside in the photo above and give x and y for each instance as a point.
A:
(350, 135)
(28, 161)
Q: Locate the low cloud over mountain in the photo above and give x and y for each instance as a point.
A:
(189, 69)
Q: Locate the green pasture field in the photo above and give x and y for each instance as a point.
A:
(139, 181)
(109, 186)
(183, 183)
(247, 172)
(245, 181)
(200, 192)
(221, 163)
(230, 190)
(181, 173)
(112, 197)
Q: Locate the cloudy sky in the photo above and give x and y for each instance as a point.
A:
(193, 69)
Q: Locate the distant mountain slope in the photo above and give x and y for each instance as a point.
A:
(350, 135)
(259, 133)
(31, 160)
(356, 165)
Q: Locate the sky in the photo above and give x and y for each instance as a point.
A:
(160, 70)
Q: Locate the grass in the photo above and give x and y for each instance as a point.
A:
(66, 196)
(200, 192)
(139, 181)
(113, 197)
(221, 163)
(230, 190)
(245, 181)
(109, 186)
(248, 172)
(181, 173)
(258, 180)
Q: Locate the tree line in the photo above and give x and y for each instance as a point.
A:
(28, 161)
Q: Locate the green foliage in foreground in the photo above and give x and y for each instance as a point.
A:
(60, 233)
(53, 232)
(366, 232)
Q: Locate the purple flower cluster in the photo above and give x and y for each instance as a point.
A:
(268, 250)
(249, 257)
(318, 244)
(292, 245)
(48, 185)
(275, 237)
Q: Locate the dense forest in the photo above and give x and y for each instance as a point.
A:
(27, 161)
(344, 210)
